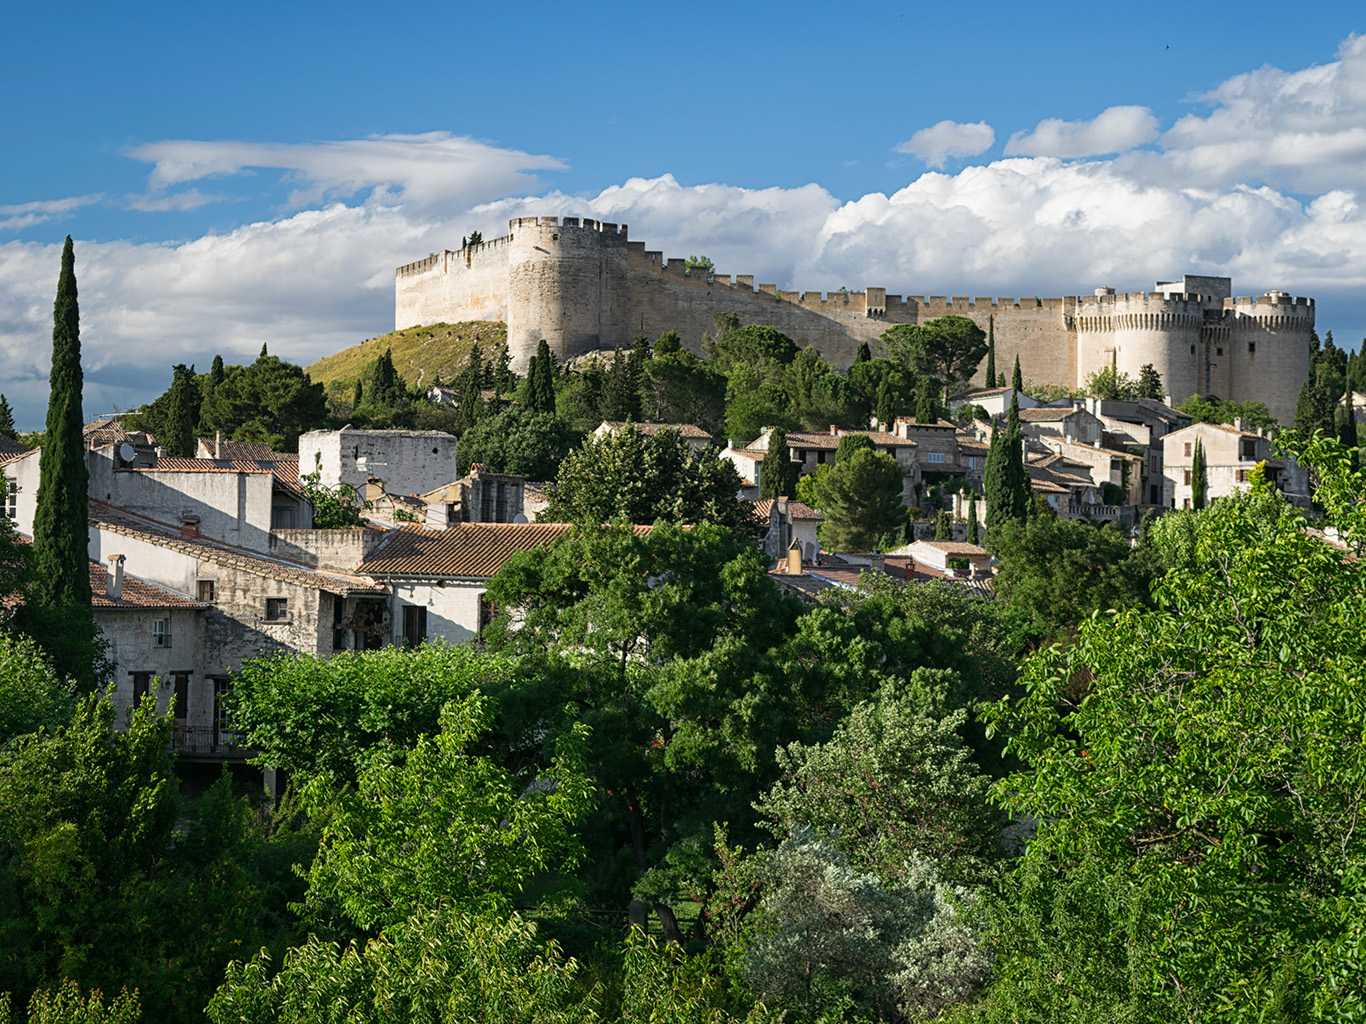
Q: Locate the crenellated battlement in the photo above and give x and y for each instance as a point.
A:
(582, 284)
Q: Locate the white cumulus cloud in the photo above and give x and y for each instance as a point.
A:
(937, 144)
(1113, 130)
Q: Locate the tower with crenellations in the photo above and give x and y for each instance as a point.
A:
(582, 285)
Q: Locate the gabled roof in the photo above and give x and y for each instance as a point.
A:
(1048, 413)
(463, 551)
(135, 594)
(117, 521)
(250, 451)
(798, 511)
(10, 448)
(285, 469)
(956, 548)
(649, 429)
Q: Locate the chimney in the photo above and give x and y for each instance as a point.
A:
(218, 445)
(877, 563)
(794, 559)
(113, 581)
(1237, 423)
(189, 527)
(833, 431)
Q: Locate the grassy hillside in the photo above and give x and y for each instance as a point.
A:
(420, 353)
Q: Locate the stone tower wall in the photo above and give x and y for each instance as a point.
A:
(582, 285)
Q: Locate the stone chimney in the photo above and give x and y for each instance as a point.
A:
(113, 580)
(189, 527)
(877, 563)
(794, 559)
(218, 445)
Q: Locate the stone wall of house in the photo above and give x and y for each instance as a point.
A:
(407, 461)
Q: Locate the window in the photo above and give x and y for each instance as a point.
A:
(1218, 351)
(11, 506)
(1251, 347)
(1249, 447)
(338, 623)
(936, 456)
(972, 462)
(161, 633)
(414, 625)
(222, 686)
(277, 609)
(142, 684)
(820, 458)
(282, 517)
(1188, 447)
(1241, 476)
(1185, 503)
(1192, 350)
(182, 699)
(1188, 477)
(206, 589)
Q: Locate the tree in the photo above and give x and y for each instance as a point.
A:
(58, 611)
(384, 386)
(778, 473)
(1198, 477)
(178, 436)
(864, 354)
(948, 349)
(860, 499)
(627, 476)
(1149, 383)
(335, 507)
(1006, 481)
(1016, 380)
(7, 428)
(1109, 382)
(702, 263)
(1198, 842)
(519, 441)
(943, 526)
(1254, 415)
(538, 389)
(851, 443)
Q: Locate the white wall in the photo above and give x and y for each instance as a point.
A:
(408, 461)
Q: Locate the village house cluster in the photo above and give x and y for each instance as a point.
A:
(200, 564)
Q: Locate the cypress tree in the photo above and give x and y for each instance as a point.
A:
(182, 414)
(264, 353)
(1018, 474)
(885, 409)
(778, 473)
(972, 520)
(924, 401)
(1305, 414)
(1007, 480)
(471, 404)
(1198, 481)
(991, 351)
(357, 394)
(7, 427)
(1347, 429)
(544, 380)
(1016, 380)
(863, 354)
(943, 527)
(58, 613)
(995, 483)
(216, 372)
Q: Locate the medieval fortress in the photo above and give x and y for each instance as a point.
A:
(581, 285)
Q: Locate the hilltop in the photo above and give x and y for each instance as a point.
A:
(419, 353)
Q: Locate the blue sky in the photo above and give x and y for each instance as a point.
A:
(253, 173)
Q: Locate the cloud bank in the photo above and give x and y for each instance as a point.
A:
(1266, 187)
(939, 143)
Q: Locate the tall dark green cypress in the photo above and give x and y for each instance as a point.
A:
(1017, 380)
(991, 351)
(7, 427)
(1198, 475)
(778, 473)
(542, 377)
(59, 614)
(182, 414)
(1017, 473)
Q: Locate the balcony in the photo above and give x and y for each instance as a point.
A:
(208, 743)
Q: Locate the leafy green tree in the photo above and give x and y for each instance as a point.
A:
(67, 1004)
(1199, 481)
(1054, 573)
(660, 644)
(703, 263)
(896, 776)
(947, 349)
(1112, 383)
(1254, 415)
(860, 499)
(57, 612)
(1208, 782)
(754, 345)
(7, 428)
(677, 387)
(630, 477)
(668, 344)
(778, 473)
(851, 443)
(32, 698)
(518, 441)
(754, 404)
(1149, 383)
(335, 507)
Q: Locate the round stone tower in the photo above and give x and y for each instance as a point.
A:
(567, 283)
(1127, 331)
(1267, 351)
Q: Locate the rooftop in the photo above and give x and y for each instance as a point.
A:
(650, 429)
(135, 593)
(464, 550)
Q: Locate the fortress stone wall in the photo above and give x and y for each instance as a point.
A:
(583, 285)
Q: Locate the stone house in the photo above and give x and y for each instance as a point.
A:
(478, 497)
(1066, 423)
(787, 521)
(403, 461)
(1230, 455)
(938, 553)
(996, 401)
(696, 437)
(438, 578)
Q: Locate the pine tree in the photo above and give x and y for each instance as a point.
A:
(264, 353)
(1149, 382)
(7, 428)
(471, 403)
(385, 389)
(1198, 480)
(778, 473)
(1016, 380)
(991, 351)
(863, 354)
(58, 613)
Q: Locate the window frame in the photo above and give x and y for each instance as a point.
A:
(277, 609)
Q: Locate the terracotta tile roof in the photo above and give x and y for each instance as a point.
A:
(798, 511)
(650, 429)
(912, 424)
(10, 447)
(114, 520)
(464, 551)
(136, 593)
(250, 451)
(110, 431)
(955, 547)
(1047, 414)
(981, 393)
(285, 470)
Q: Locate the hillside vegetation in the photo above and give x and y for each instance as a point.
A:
(419, 353)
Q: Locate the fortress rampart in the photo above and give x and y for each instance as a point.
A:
(582, 284)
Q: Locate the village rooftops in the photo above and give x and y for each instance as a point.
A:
(1047, 413)
(133, 593)
(116, 521)
(466, 551)
(241, 451)
(285, 470)
(795, 509)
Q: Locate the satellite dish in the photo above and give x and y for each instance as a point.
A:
(126, 452)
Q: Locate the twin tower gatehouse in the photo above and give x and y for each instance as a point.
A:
(583, 285)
